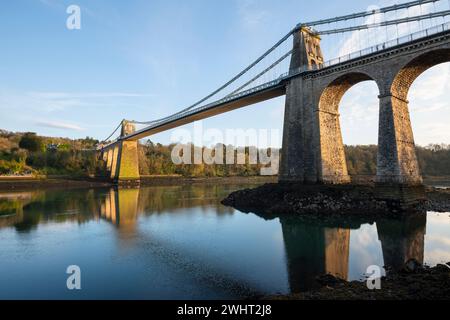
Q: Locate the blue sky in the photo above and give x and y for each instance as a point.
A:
(143, 59)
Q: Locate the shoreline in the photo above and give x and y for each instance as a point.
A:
(29, 183)
(26, 183)
(21, 180)
(328, 202)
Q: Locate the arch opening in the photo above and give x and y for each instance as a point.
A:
(359, 112)
(397, 156)
(429, 106)
(333, 162)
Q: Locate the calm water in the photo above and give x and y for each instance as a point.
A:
(180, 243)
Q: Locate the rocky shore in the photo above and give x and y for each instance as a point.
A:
(349, 206)
(344, 200)
(412, 282)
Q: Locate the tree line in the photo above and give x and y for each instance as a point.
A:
(434, 159)
(155, 159)
(28, 153)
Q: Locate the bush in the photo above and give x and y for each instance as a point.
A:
(11, 167)
(31, 142)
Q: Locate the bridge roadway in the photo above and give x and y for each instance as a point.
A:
(261, 93)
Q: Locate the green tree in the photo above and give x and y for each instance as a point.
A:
(31, 142)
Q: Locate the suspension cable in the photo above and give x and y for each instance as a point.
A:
(259, 75)
(368, 13)
(421, 21)
(387, 23)
(434, 6)
(396, 25)
(115, 130)
(386, 29)
(408, 24)
(229, 82)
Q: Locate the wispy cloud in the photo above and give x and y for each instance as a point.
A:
(53, 4)
(250, 13)
(434, 132)
(361, 103)
(49, 3)
(61, 6)
(429, 88)
(59, 125)
(49, 102)
(71, 95)
(70, 111)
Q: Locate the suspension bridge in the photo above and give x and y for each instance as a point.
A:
(391, 45)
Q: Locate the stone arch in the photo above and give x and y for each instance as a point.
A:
(412, 70)
(333, 166)
(334, 92)
(397, 159)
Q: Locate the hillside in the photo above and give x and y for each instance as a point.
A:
(27, 153)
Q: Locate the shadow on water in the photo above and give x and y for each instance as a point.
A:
(311, 247)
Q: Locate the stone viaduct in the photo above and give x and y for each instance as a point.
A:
(313, 150)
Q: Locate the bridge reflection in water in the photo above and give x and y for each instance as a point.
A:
(314, 249)
(311, 247)
(120, 207)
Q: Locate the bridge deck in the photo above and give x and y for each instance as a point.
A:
(222, 106)
(264, 92)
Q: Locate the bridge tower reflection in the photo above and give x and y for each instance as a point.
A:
(313, 250)
(121, 208)
(402, 239)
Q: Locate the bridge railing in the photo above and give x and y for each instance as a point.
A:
(390, 44)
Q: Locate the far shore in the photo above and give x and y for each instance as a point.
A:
(62, 181)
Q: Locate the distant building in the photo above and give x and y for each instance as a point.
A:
(53, 146)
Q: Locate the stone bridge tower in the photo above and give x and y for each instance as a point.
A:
(127, 128)
(122, 160)
(310, 154)
(306, 50)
